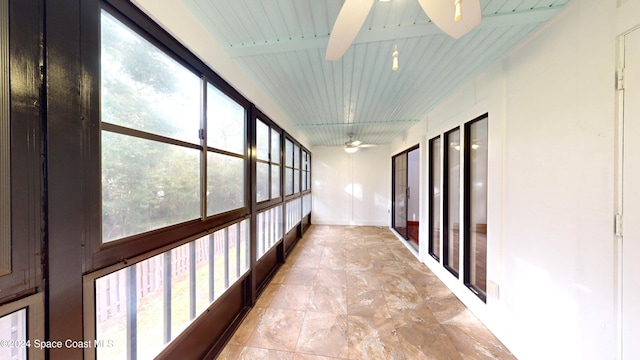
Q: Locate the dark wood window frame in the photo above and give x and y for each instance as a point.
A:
(22, 122)
(74, 201)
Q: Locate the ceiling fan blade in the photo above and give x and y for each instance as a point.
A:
(441, 13)
(347, 25)
(367, 145)
(356, 143)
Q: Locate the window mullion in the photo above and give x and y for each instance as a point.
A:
(203, 142)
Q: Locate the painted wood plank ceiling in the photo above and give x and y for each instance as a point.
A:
(282, 43)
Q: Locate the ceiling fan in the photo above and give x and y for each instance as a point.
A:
(453, 17)
(352, 146)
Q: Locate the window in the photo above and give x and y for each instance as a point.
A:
(226, 149)
(451, 243)
(5, 145)
(267, 162)
(288, 161)
(435, 164)
(142, 307)
(150, 112)
(152, 143)
(20, 324)
(13, 332)
(476, 169)
(296, 169)
(306, 171)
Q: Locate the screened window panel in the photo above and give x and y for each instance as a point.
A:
(288, 157)
(225, 122)
(162, 288)
(142, 88)
(262, 140)
(13, 334)
(262, 181)
(275, 146)
(296, 156)
(289, 181)
(304, 181)
(146, 185)
(225, 183)
(275, 181)
(296, 181)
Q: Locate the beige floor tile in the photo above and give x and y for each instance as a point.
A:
(349, 292)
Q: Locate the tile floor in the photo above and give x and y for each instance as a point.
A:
(358, 293)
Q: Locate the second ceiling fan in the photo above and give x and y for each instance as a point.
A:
(453, 17)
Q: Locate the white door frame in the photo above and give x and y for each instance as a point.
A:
(619, 181)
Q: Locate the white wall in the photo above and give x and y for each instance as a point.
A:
(351, 189)
(551, 251)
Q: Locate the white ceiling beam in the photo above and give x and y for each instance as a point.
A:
(367, 123)
(391, 33)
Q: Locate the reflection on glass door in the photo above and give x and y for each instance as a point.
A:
(451, 246)
(406, 194)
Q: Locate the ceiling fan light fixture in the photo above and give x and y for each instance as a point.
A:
(350, 149)
(458, 14)
(394, 66)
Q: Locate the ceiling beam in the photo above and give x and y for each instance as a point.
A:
(538, 15)
(364, 123)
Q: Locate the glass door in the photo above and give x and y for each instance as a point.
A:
(406, 194)
(400, 194)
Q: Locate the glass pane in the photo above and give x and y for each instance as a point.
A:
(235, 261)
(160, 290)
(269, 225)
(262, 181)
(262, 140)
(146, 185)
(434, 201)
(225, 122)
(288, 156)
(304, 181)
(202, 274)
(225, 183)
(13, 334)
(293, 211)
(143, 88)
(478, 165)
(296, 181)
(221, 246)
(275, 181)
(289, 182)
(180, 305)
(306, 205)
(296, 156)
(275, 146)
(452, 201)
